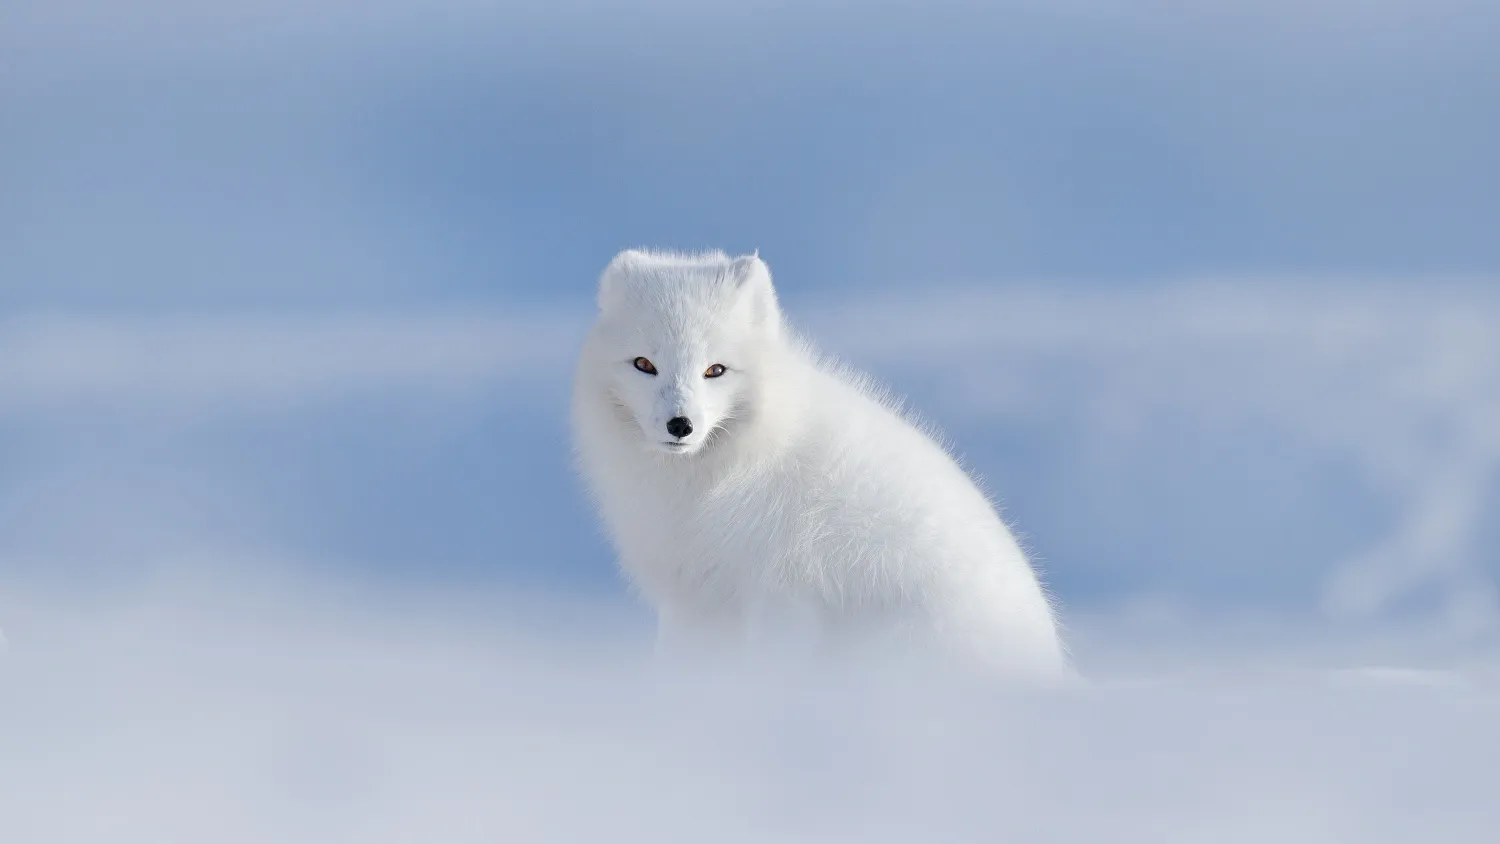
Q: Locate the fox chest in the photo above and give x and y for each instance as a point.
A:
(752, 546)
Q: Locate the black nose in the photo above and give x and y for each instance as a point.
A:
(679, 426)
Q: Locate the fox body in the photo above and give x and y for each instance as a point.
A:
(748, 483)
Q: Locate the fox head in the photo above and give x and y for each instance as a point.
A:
(681, 342)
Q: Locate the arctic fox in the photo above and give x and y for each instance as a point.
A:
(739, 474)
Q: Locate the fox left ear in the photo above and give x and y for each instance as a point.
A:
(612, 279)
(752, 282)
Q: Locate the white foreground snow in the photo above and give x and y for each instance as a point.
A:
(252, 709)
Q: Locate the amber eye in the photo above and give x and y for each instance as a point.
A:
(645, 366)
(714, 371)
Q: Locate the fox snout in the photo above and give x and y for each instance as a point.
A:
(679, 426)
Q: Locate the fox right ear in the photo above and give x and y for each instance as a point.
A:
(752, 279)
(610, 279)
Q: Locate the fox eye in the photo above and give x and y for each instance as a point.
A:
(714, 371)
(645, 366)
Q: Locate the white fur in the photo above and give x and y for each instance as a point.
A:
(802, 495)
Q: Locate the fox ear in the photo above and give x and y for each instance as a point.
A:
(752, 282)
(610, 279)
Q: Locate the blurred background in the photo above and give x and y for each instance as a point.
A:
(290, 292)
(1207, 296)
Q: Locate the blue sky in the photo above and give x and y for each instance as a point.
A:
(370, 152)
